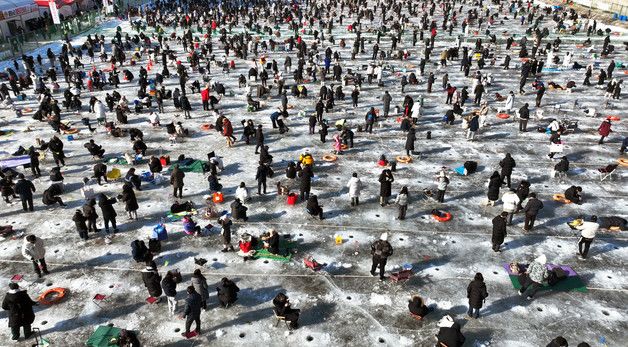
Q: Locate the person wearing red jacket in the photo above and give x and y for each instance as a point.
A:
(604, 130)
(205, 98)
(227, 131)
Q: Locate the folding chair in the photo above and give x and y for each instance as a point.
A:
(607, 172)
(280, 318)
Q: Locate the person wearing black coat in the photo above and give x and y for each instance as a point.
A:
(238, 211)
(562, 166)
(476, 293)
(259, 138)
(128, 197)
(80, 223)
(185, 105)
(56, 147)
(410, 138)
(283, 309)
(523, 189)
(108, 212)
(574, 194)
(494, 184)
(20, 307)
(524, 116)
(100, 172)
(313, 208)
(154, 164)
(559, 341)
(140, 147)
(34, 156)
(25, 189)
(51, 196)
(305, 184)
(176, 180)
(169, 286)
(263, 172)
(291, 171)
(152, 281)
(450, 335)
(531, 210)
(380, 251)
(133, 179)
(507, 164)
(499, 231)
(385, 186)
(94, 149)
(192, 312)
(417, 307)
(227, 292)
(89, 211)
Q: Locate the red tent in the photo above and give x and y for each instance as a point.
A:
(60, 3)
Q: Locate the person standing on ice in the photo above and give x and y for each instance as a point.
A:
(511, 201)
(33, 250)
(531, 210)
(192, 312)
(476, 293)
(385, 186)
(355, 186)
(510, 102)
(499, 231)
(587, 234)
(507, 164)
(535, 275)
(380, 250)
(402, 202)
(387, 100)
(20, 307)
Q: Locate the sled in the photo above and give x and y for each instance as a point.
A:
(446, 216)
(330, 157)
(311, 263)
(401, 276)
(52, 296)
(561, 198)
(503, 115)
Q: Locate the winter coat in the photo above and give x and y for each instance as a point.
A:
(155, 165)
(306, 178)
(89, 211)
(402, 199)
(238, 211)
(510, 200)
(24, 188)
(537, 272)
(572, 194)
(193, 305)
(176, 177)
(605, 128)
(562, 166)
(355, 185)
(200, 285)
(50, 194)
(128, 197)
(533, 207)
(510, 102)
(106, 206)
(381, 249)
(442, 183)
(494, 185)
(169, 285)
(507, 164)
(20, 307)
(499, 230)
(152, 282)
(33, 251)
(476, 293)
(410, 138)
(79, 221)
(385, 186)
(474, 123)
(228, 292)
(418, 310)
(242, 193)
(588, 229)
(451, 336)
(523, 189)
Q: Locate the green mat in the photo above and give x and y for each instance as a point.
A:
(571, 283)
(102, 336)
(195, 166)
(174, 217)
(284, 246)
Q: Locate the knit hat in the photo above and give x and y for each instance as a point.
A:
(384, 237)
(542, 259)
(13, 286)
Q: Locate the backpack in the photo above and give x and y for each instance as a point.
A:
(138, 250)
(470, 166)
(555, 276)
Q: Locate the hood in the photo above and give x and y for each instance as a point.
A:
(542, 259)
(384, 237)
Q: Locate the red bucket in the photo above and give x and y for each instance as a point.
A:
(292, 199)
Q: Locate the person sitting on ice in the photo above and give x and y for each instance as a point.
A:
(247, 244)
(190, 227)
(417, 307)
(574, 194)
(382, 160)
(313, 208)
(271, 241)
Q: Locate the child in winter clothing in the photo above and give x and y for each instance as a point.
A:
(226, 223)
(355, 185)
(190, 227)
(535, 276)
(402, 201)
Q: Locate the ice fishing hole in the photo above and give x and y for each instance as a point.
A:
(48, 284)
(56, 250)
(215, 259)
(110, 325)
(609, 277)
(242, 335)
(350, 236)
(381, 340)
(453, 241)
(401, 239)
(111, 286)
(348, 298)
(300, 234)
(559, 246)
(539, 309)
(176, 330)
(44, 322)
(437, 269)
(309, 338)
(495, 272)
(605, 313)
(265, 261)
(376, 215)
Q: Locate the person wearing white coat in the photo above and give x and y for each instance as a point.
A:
(33, 250)
(355, 185)
(587, 234)
(242, 193)
(417, 110)
(511, 201)
(510, 102)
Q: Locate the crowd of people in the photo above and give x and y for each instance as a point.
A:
(186, 53)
